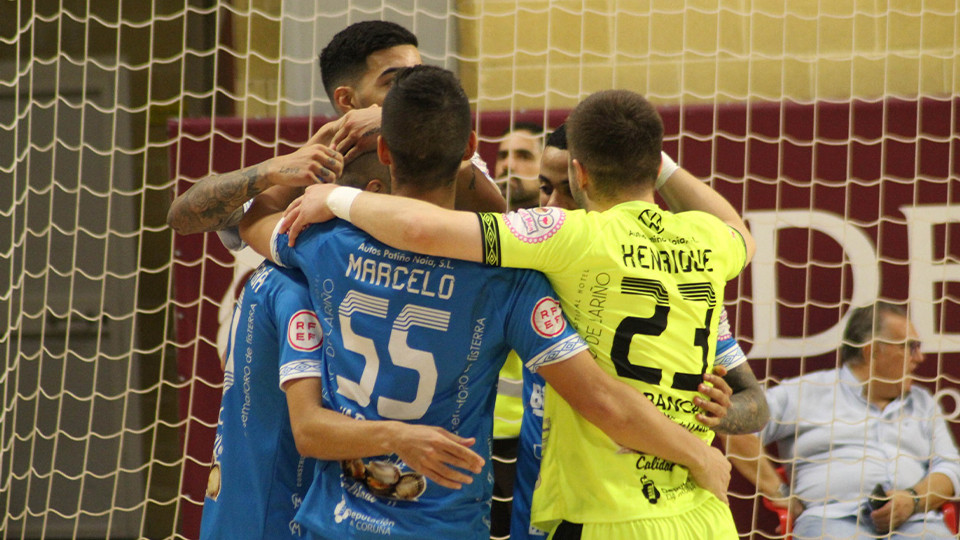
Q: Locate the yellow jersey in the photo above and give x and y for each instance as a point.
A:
(508, 408)
(644, 288)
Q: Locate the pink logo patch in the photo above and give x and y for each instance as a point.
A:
(303, 331)
(547, 318)
(534, 225)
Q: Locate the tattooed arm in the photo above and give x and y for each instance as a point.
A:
(476, 192)
(748, 411)
(216, 202)
(733, 402)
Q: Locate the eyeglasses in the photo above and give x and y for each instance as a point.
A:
(912, 344)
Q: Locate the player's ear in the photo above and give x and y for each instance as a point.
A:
(377, 186)
(471, 147)
(578, 174)
(343, 99)
(383, 151)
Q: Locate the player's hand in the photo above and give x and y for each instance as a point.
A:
(713, 474)
(357, 132)
(434, 452)
(891, 515)
(717, 397)
(312, 163)
(311, 207)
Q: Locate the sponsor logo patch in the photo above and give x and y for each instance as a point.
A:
(303, 331)
(534, 225)
(650, 490)
(652, 220)
(341, 512)
(547, 318)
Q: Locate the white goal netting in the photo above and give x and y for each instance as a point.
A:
(834, 126)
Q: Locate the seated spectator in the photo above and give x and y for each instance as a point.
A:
(843, 432)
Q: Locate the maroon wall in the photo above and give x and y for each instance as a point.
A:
(861, 161)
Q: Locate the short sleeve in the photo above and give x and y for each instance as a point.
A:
(481, 166)
(535, 238)
(230, 236)
(308, 245)
(536, 327)
(738, 250)
(299, 335)
(729, 353)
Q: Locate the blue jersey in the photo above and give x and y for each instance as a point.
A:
(530, 448)
(419, 339)
(529, 455)
(258, 479)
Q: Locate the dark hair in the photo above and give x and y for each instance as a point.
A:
(426, 125)
(863, 326)
(532, 127)
(344, 60)
(558, 138)
(364, 168)
(617, 135)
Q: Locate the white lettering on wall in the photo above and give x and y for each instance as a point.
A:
(926, 273)
(766, 321)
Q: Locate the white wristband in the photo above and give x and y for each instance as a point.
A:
(667, 168)
(340, 200)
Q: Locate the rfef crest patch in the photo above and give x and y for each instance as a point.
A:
(547, 318)
(534, 225)
(303, 331)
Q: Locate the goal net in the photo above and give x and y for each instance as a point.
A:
(833, 126)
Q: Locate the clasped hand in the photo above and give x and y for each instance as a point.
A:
(311, 207)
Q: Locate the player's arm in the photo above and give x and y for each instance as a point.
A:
(476, 192)
(747, 410)
(259, 222)
(400, 222)
(736, 402)
(632, 420)
(215, 202)
(325, 434)
(682, 191)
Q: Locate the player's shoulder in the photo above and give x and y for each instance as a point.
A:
(263, 277)
(507, 273)
(649, 216)
(271, 275)
(495, 278)
(696, 219)
(319, 233)
(278, 290)
(536, 225)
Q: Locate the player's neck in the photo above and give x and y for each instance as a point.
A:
(443, 197)
(606, 203)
